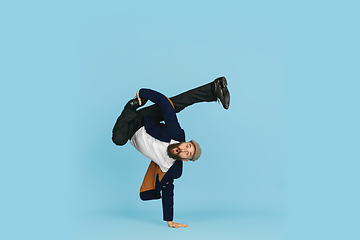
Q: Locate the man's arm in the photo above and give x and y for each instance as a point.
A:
(167, 110)
(168, 202)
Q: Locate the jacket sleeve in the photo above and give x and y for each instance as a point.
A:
(167, 110)
(168, 201)
(168, 190)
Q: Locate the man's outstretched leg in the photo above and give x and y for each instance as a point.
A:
(210, 92)
(216, 90)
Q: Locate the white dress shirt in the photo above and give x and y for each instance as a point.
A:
(153, 148)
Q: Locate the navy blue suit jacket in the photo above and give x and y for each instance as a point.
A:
(164, 132)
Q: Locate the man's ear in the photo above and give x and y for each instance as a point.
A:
(185, 160)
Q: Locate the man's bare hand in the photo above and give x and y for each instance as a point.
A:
(176, 225)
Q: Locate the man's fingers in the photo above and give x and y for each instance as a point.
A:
(177, 225)
(181, 225)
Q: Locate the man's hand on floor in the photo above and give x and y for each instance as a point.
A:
(176, 225)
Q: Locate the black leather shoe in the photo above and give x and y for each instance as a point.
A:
(133, 104)
(221, 91)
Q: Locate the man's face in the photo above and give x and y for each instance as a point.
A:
(181, 151)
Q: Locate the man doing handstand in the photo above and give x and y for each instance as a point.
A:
(164, 143)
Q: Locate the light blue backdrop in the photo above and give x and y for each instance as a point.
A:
(281, 163)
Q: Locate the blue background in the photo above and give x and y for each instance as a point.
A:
(281, 163)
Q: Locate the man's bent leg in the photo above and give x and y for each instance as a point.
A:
(126, 125)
